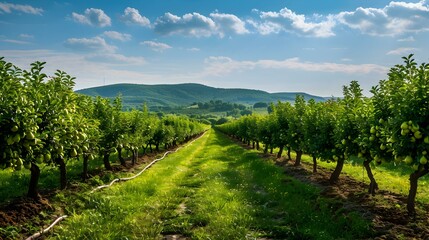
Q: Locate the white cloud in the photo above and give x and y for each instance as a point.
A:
(288, 21)
(123, 37)
(197, 25)
(219, 66)
(114, 58)
(191, 24)
(401, 51)
(394, 19)
(193, 49)
(228, 24)
(15, 41)
(95, 44)
(156, 46)
(93, 17)
(28, 36)
(408, 39)
(132, 16)
(89, 72)
(9, 7)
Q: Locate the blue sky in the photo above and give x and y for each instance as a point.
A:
(308, 46)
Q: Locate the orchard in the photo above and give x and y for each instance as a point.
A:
(43, 122)
(391, 125)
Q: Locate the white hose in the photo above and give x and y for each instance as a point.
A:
(38, 234)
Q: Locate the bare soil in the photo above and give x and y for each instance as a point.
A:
(27, 216)
(386, 210)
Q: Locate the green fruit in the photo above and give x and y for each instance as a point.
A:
(423, 160)
(47, 157)
(372, 138)
(343, 141)
(360, 155)
(426, 140)
(381, 121)
(39, 159)
(418, 135)
(90, 157)
(408, 160)
(17, 138)
(19, 162)
(29, 135)
(404, 125)
(14, 128)
(73, 152)
(372, 130)
(382, 147)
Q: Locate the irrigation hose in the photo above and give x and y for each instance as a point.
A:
(39, 234)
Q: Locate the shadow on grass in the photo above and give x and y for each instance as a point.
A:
(284, 208)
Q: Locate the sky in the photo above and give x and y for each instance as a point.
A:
(307, 46)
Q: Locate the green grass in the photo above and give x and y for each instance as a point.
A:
(212, 189)
(14, 184)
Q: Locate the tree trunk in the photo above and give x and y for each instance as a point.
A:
(271, 150)
(279, 154)
(133, 159)
(288, 153)
(157, 147)
(314, 164)
(121, 159)
(336, 173)
(63, 173)
(266, 149)
(298, 158)
(85, 167)
(373, 186)
(253, 145)
(414, 177)
(106, 162)
(257, 146)
(34, 180)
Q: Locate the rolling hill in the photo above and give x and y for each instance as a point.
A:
(173, 95)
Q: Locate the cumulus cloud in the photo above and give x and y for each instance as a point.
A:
(93, 17)
(198, 25)
(123, 37)
(132, 16)
(394, 19)
(228, 24)
(9, 7)
(223, 65)
(288, 21)
(156, 46)
(191, 24)
(95, 44)
(401, 51)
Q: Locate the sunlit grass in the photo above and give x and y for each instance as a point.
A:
(213, 189)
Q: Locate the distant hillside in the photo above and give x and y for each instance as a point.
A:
(165, 95)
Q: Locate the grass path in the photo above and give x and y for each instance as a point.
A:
(212, 189)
